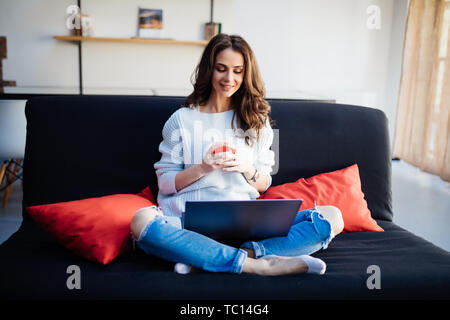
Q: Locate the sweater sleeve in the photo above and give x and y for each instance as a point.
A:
(171, 156)
(265, 156)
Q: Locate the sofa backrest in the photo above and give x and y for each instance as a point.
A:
(86, 146)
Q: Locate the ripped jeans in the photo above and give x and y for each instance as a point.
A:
(164, 237)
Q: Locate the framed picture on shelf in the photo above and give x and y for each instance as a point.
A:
(150, 23)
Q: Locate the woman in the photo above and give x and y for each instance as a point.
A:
(227, 107)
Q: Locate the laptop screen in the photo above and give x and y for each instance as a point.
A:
(241, 219)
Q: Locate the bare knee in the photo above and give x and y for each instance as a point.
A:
(141, 218)
(334, 216)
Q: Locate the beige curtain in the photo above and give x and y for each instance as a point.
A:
(422, 135)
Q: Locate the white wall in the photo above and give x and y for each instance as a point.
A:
(35, 61)
(389, 105)
(304, 47)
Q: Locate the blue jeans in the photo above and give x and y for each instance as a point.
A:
(164, 237)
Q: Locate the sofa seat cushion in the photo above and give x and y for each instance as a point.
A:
(136, 275)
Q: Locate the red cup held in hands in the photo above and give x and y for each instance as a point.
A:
(223, 148)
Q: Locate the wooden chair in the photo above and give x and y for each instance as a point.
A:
(12, 144)
(10, 172)
(10, 166)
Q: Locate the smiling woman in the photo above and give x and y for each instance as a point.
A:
(228, 96)
(228, 77)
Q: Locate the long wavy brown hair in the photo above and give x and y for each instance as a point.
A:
(249, 103)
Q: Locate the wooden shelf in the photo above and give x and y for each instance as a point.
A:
(131, 40)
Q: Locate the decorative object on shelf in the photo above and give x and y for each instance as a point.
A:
(3, 55)
(150, 23)
(85, 28)
(212, 28)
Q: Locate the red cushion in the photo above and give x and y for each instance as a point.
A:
(97, 229)
(341, 188)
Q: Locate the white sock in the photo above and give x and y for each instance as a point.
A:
(182, 268)
(315, 265)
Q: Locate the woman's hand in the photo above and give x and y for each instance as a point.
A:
(238, 164)
(215, 161)
(227, 161)
(232, 162)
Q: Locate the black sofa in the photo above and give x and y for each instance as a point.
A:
(87, 146)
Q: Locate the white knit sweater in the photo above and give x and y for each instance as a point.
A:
(187, 135)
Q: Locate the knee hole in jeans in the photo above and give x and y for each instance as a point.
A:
(142, 218)
(334, 217)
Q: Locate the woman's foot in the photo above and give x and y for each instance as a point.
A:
(182, 268)
(313, 265)
(275, 266)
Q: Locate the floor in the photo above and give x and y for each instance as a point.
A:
(421, 205)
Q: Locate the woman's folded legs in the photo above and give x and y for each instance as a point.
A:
(164, 237)
(310, 232)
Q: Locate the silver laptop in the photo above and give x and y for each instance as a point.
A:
(241, 219)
